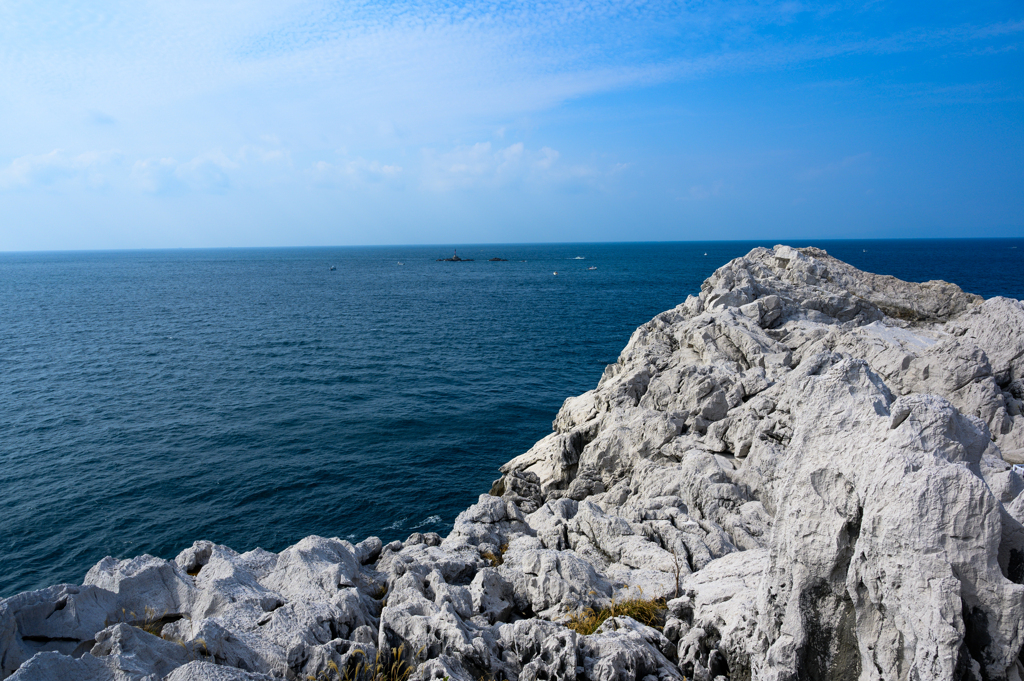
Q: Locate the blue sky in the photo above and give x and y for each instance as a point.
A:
(300, 122)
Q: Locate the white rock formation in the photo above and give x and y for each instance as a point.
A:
(809, 463)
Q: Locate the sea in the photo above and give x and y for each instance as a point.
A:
(253, 397)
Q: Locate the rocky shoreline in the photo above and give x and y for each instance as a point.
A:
(809, 464)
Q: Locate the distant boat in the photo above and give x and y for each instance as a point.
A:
(333, 268)
(592, 267)
(555, 273)
(579, 257)
(400, 262)
(705, 254)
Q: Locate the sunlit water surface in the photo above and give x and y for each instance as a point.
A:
(253, 397)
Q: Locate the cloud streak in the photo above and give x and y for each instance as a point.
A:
(472, 58)
(44, 171)
(212, 171)
(476, 166)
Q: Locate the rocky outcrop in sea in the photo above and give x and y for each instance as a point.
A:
(808, 465)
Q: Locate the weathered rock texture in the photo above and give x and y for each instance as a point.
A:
(810, 463)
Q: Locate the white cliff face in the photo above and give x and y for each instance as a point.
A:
(810, 463)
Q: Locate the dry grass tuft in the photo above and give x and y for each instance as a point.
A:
(649, 612)
(391, 667)
(151, 621)
(495, 560)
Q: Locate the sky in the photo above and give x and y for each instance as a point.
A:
(303, 123)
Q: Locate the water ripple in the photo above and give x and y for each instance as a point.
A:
(252, 397)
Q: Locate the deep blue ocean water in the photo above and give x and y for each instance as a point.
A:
(253, 397)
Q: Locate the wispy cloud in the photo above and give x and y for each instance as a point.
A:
(702, 192)
(469, 58)
(100, 170)
(208, 173)
(857, 162)
(461, 167)
(91, 170)
(353, 172)
(483, 166)
(156, 175)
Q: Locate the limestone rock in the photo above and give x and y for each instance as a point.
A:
(61, 619)
(623, 650)
(838, 594)
(536, 649)
(718, 612)
(552, 583)
(493, 596)
(425, 618)
(204, 671)
(260, 612)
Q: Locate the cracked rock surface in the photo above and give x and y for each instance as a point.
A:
(811, 465)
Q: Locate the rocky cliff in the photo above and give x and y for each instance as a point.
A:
(810, 464)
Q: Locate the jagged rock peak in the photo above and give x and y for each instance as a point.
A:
(812, 279)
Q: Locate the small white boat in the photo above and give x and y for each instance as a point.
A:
(592, 267)
(333, 268)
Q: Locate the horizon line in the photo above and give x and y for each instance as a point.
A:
(498, 243)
